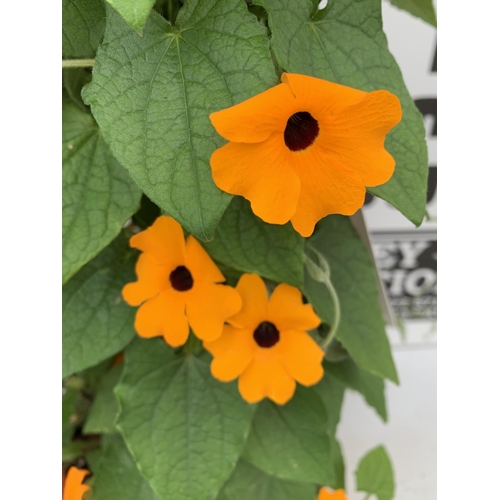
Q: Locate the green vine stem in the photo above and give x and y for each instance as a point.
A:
(321, 273)
(173, 8)
(192, 346)
(78, 63)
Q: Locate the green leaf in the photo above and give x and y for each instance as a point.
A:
(74, 408)
(82, 27)
(338, 464)
(90, 378)
(104, 410)
(69, 400)
(68, 405)
(331, 393)
(291, 441)
(185, 429)
(345, 43)
(94, 458)
(361, 330)
(250, 483)
(152, 96)
(98, 194)
(424, 9)
(74, 79)
(96, 322)
(72, 450)
(246, 243)
(374, 474)
(134, 12)
(117, 475)
(369, 386)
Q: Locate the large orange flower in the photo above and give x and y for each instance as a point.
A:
(178, 286)
(326, 493)
(73, 487)
(305, 149)
(266, 345)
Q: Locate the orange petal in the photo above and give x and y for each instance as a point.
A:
(163, 242)
(288, 312)
(320, 98)
(328, 494)
(152, 279)
(200, 265)
(73, 487)
(164, 315)
(327, 188)
(301, 356)
(209, 306)
(358, 134)
(262, 174)
(227, 341)
(265, 376)
(255, 119)
(254, 302)
(232, 351)
(232, 339)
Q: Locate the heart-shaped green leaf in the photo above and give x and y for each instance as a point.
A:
(374, 474)
(291, 441)
(185, 429)
(250, 483)
(96, 322)
(116, 475)
(98, 194)
(152, 96)
(82, 27)
(135, 13)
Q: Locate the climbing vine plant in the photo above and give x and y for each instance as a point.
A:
(217, 300)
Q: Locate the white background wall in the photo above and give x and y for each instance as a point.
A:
(410, 435)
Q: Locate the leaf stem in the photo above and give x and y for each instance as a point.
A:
(321, 273)
(78, 63)
(172, 11)
(192, 346)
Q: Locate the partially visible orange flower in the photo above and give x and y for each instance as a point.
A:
(73, 487)
(326, 493)
(266, 344)
(304, 149)
(178, 286)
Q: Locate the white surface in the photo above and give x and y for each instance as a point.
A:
(410, 434)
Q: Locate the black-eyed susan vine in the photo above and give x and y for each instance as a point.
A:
(217, 301)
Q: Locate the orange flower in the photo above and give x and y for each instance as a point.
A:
(178, 286)
(73, 487)
(266, 345)
(304, 149)
(326, 493)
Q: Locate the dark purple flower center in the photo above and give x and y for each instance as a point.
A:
(301, 131)
(266, 334)
(181, 279)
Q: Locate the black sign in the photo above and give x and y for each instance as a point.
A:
(408, 266)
